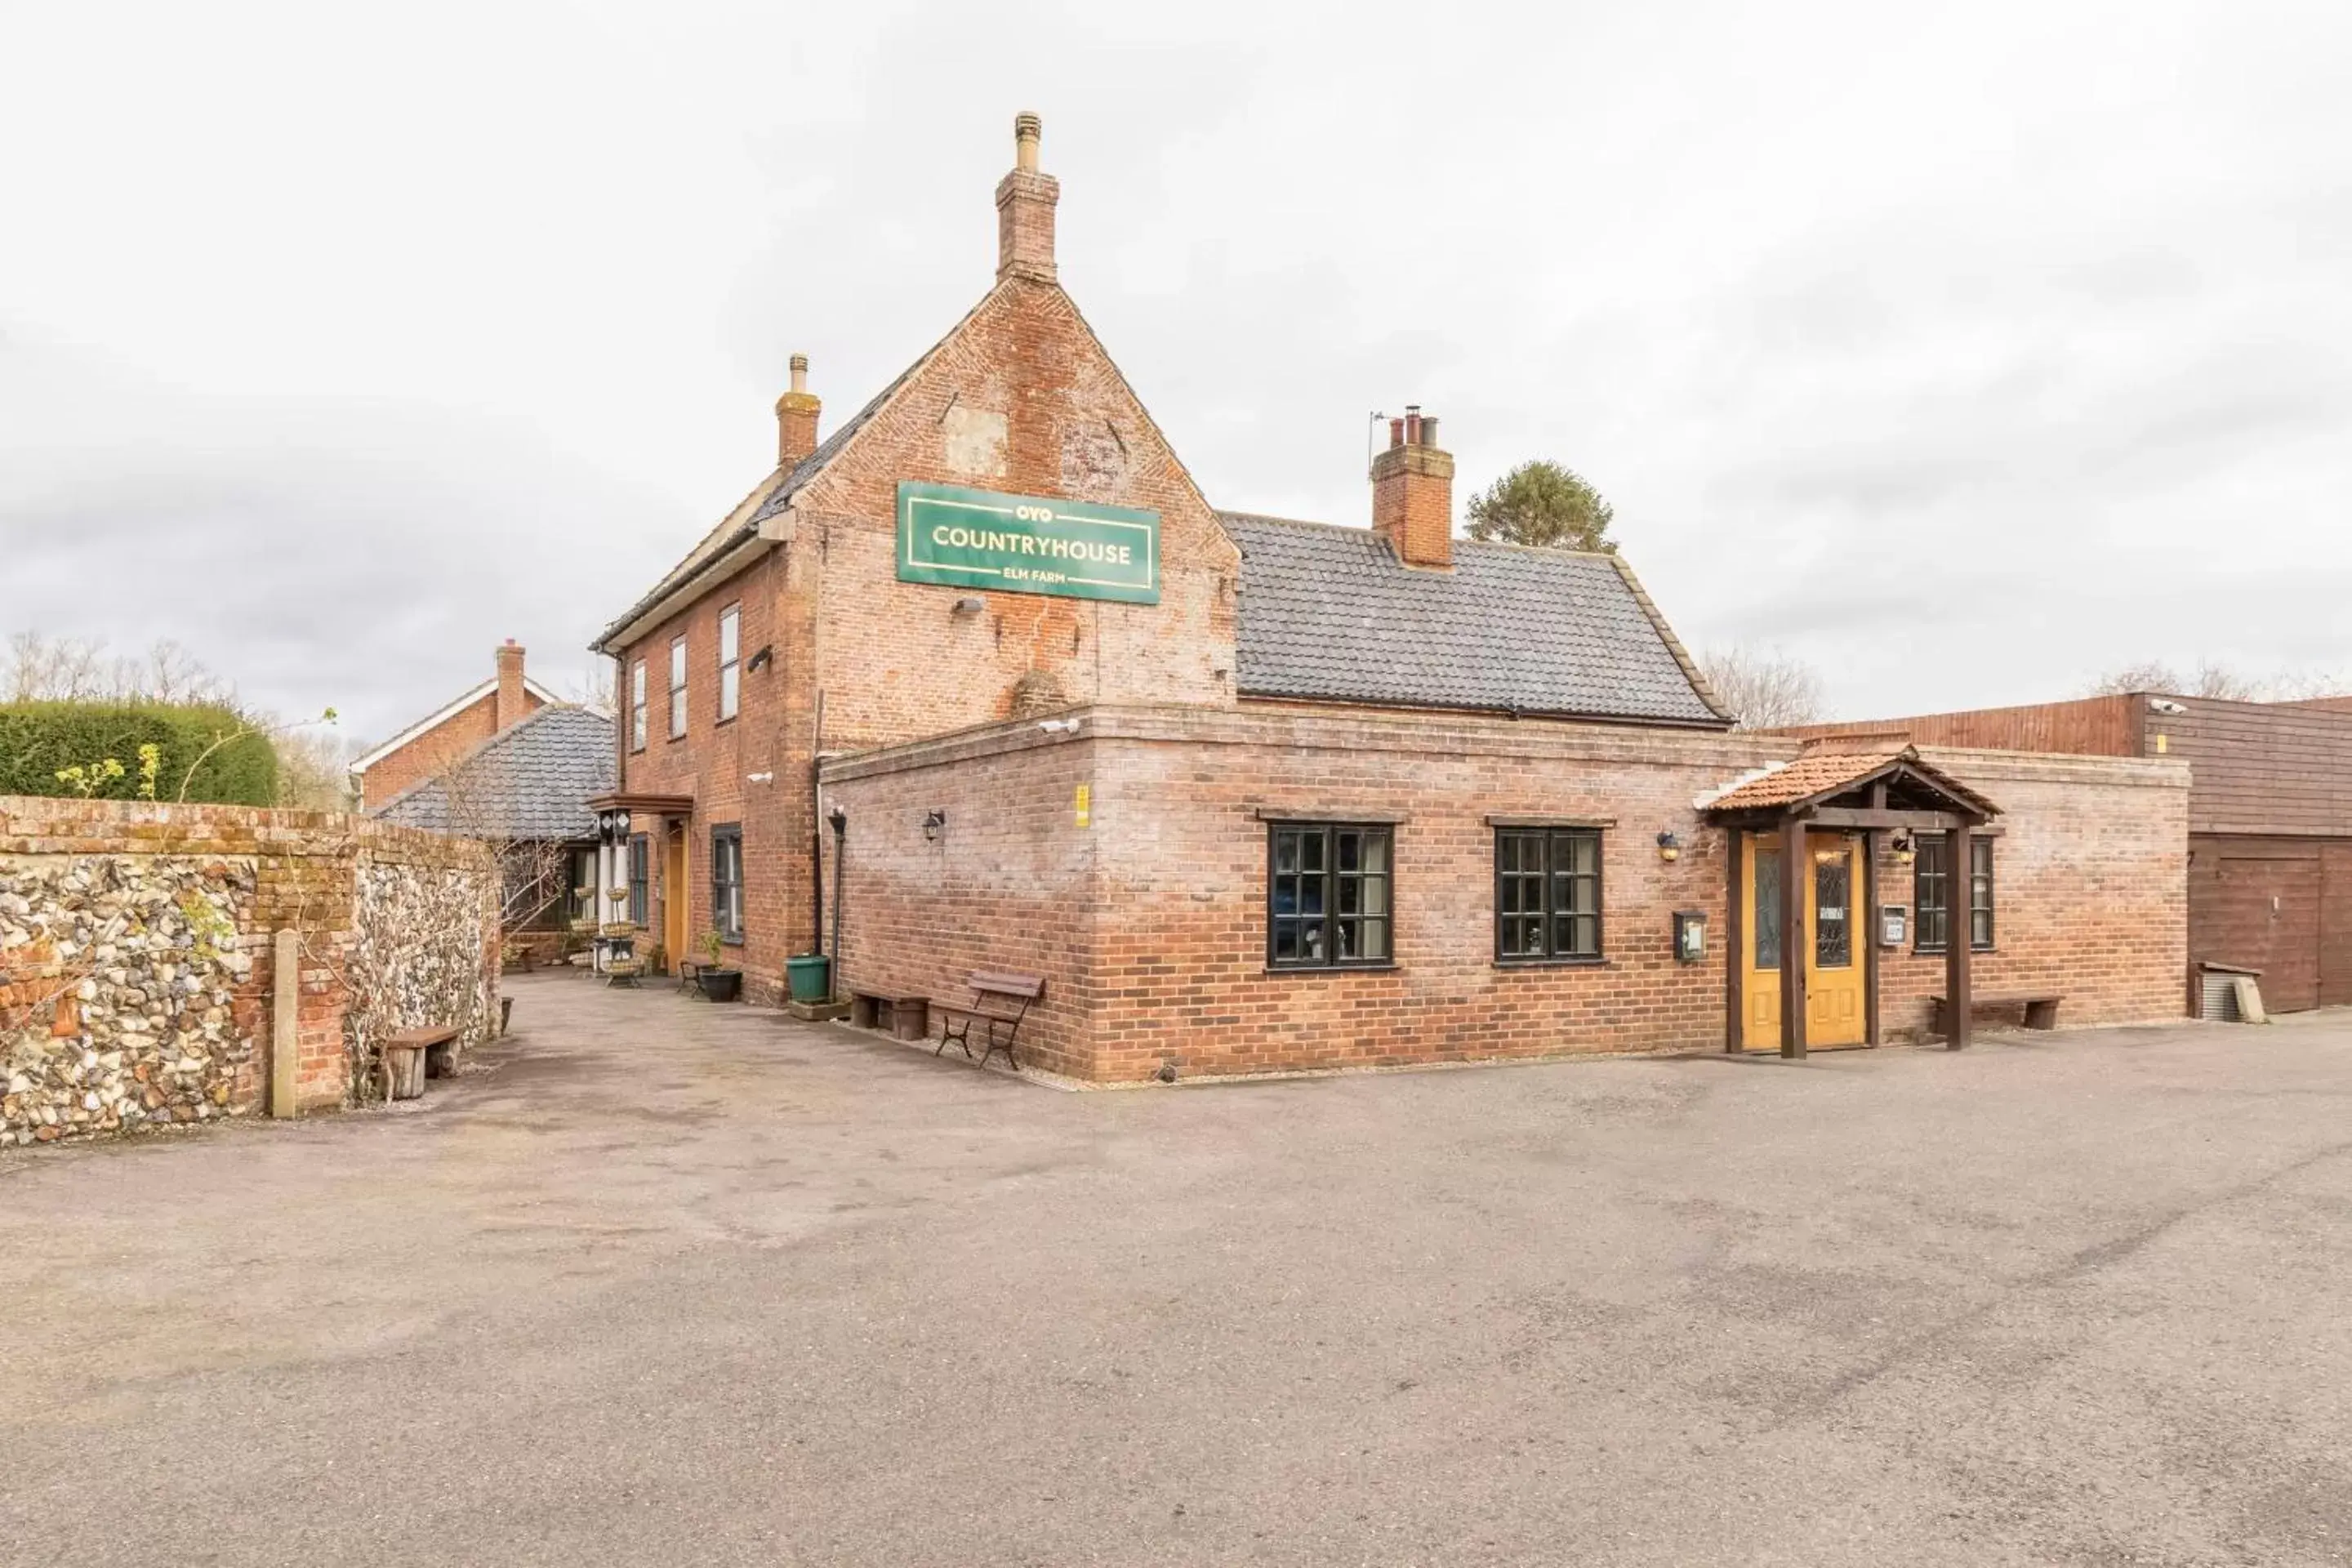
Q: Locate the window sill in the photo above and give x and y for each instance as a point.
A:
(1938, 951)
(722, 723)
(1507, 963)
(730, 942)
(1330, 969)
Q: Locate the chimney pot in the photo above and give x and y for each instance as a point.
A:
(1412, 492)
(797, 412)
(512, 704)
(1024, 208)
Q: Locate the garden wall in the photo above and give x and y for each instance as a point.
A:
(137, 972)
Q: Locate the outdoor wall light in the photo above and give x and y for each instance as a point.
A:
(933, 822)
(970, 604)
(1670, 849)
(764, 657)
(1903, 849)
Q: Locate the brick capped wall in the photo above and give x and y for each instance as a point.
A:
(137, 964)
(1149, 922)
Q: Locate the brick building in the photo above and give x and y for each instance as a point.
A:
(1253, 793)
(440, 738)
(2270, 827)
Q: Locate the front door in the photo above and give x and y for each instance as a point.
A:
(1834, 1012)
(673, 895)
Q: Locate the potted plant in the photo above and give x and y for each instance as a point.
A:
(719, 984)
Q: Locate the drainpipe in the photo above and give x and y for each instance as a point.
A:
(840, 820)
(816, 829)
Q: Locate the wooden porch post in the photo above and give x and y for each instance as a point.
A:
(1734, 966)
(1868, 925)
(1957, 888)
(1793, 935)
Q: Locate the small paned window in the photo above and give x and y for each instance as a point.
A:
(1931, 891)
(1328, 895)
(1547, 894)
(640, 873)
(678, 689)
(1833, 908)
(637, 706)
(730, 668)
(727, 881)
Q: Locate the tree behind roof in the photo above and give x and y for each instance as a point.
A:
(1542, 503)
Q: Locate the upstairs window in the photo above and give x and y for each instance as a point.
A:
(678, 689)
(1547, 894)
(730, 670)
(1328, 885)
(1931, 891)
(637, 706)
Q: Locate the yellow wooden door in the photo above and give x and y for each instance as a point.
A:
(1833, 970)
(1835, 1013)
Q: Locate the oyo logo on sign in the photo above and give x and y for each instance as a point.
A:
(1027, 544)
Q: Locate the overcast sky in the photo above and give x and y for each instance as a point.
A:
(1963, 350)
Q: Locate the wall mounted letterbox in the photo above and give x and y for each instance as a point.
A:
(1690, 936)
(1892, 920)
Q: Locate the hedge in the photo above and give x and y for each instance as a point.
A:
(38, 739)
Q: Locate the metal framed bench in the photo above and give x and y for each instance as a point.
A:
(1001, 999)
(2040, 1008)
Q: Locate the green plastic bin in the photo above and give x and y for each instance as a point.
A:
(810, 975)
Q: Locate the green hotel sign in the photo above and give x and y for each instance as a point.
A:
(1027, 544)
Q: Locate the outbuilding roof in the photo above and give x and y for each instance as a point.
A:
(1819, 776)
(1330, 613)
(531, 781)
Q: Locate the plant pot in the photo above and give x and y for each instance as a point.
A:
(720, 984)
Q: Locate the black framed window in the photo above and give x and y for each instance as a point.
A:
(730, 670)
(1328, 886)
(1547, 894)
(637, 706)
(1931, 891)
(676, 688)
(640, 879)
(727, 881)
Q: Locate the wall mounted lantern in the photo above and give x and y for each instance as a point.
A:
(764, 657)
(933, 822)
(1903, 849)
(1670, 849)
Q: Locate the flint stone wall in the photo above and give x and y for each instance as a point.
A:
(137, 979)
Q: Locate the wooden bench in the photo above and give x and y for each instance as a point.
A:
(2040, 1008)
(1001, 999)
(409, 1054)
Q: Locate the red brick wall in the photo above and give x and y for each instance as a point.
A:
(2090, 891)
(894, 664)
(1150, 922)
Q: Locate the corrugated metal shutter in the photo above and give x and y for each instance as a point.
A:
(2217, 998)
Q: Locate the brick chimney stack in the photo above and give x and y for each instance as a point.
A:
(1412, 492)
(1024, 208)
(797, 413)
(513, 705)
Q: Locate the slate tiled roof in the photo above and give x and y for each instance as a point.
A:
(1330, 613)
(532, 780)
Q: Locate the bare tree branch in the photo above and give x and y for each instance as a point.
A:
(1766, 689)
